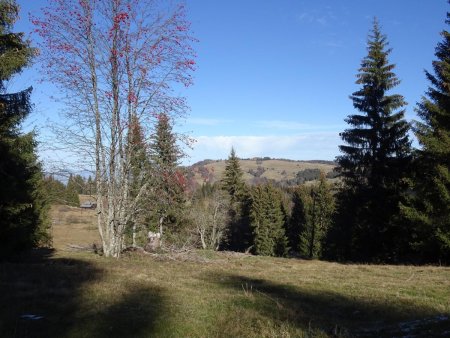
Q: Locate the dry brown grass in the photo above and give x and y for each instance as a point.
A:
(213, 294)
(73, 226)
(86, 198)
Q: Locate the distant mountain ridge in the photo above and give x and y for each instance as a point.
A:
(265, 169)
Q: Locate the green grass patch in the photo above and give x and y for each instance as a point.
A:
(209, 294)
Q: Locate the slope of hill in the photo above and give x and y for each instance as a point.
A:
(258, 170)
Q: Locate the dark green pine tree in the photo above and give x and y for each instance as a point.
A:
(139, 160)
(139, 173)
(258, 222)
(297, 218)
(90, 187)
(239, 232)
(232, 181)
(267, 221)
(54, 190)
(430, 210)
(374, 161)
(318, 208)
(23, 206)
(80, 184)
(169, 183)
(276, 216)
(303, 216)
(72, 197)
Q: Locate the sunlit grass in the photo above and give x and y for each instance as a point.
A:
(212, 294)
(216, 295)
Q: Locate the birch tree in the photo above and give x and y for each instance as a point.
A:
(114, 61)
(210, 217)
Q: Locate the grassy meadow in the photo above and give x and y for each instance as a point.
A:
(76, 293)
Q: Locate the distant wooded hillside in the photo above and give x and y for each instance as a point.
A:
(261, 170)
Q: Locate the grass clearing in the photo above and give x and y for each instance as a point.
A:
(210, 294)
(73, 226)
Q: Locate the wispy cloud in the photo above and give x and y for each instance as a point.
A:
(322, 17)
(312, 17)
(199, 121)
(296, 126)
(320, 145)
(326, 19)
(334, 44)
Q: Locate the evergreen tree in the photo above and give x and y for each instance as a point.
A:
(140, 164)
(430, 210)
(140, 169)
(232, 180)
(318, 208)
(169, 180)
(267, 221)
(239, 232)
(72, 197)
(90, 187)
(79, 184)
(374, 161)
(298, 217)
(54, 190)
(263, 242)
(23, 206)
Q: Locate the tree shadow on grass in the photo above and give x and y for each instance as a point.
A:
(44, 296)
(135, 315)
(330, 313)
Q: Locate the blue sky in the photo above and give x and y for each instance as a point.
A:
(274, 76)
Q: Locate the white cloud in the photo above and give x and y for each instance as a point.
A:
(334, 44)
(207, 122)
(307, 146)
(322, 20)
(292, 125)
(321, 17)
(312, 17)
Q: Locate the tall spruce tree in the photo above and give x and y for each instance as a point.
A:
(297, 218)
(430, 210)
(239, 233)
(139, 171)
(267, 221)
(374, 161)
(80, 184)
(90, 186)
(72, 197)
(169, 183)
(23, 206)
(54, 190)
(317, 212)
(232, 180)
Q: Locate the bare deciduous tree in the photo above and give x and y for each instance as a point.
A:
(114, 61)
(210, 216)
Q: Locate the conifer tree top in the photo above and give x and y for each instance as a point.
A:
(434, 109)
(15, 52)
(164, 149)
(378, 132)
(232, 179)
(376, 76)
